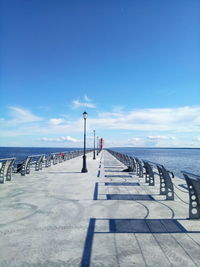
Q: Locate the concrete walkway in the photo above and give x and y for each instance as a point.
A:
(106, 217)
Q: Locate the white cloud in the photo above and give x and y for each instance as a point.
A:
(59, 139)
(136, 141)
(163, 127)
(118, 109)
(22, 115)
(85, 103)
(69, 138)
(56, 121)
(78, 104)
(161, 137)
(49, 139)
(183, 119)
(86, 98)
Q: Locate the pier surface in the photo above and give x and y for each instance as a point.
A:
(106, 217)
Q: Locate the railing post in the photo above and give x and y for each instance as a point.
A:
(193, 182)
(166, 185)
(149, 174)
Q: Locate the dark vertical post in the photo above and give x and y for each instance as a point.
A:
(84, 169)
(94, 156)
(97, 145)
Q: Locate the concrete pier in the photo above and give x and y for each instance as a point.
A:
(106, 217)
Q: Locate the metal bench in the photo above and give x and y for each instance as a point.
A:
(6, 169)
(125, 159)
(166, 185)
(193, 183)
(39, 162)
(147, 168)
(133, 164)
(139, 170)
(65, 156)
(24, 167)
(130, 163)
(149, 174)
(56, 158)
(48, 161)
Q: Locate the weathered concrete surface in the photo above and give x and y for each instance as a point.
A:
(61, 217)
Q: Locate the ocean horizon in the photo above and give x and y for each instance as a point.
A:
(174, 159)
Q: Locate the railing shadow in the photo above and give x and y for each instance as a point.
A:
(127, 226)
(87, 250)
(96, 195)
(118, 176)
(63, 172)
(114, 171)
(184, 186)
(129, 197)
(122, 184)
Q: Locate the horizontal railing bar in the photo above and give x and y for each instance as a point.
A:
(36, 155)
(191, 174)
(153, 163)
(7, 159)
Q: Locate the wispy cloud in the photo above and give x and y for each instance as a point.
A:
(135, 141)
(154, 127)
(87, 99)
(85, 103)
(161, 137)
(56, 121)
(22, 115)
(182, 119)
(60, 139)
(78, 104)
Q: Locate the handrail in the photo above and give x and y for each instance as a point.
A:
(160, 165)
(191, 174)
(39, 159)
(145, 167)
(193, 183)
(34, 156)
(6, 159)
(6, 169)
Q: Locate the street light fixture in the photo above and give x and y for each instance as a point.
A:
(94, 156)
(84, 169)
(97, 145)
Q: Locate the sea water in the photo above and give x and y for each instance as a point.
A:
(20, 153)
(174, 159)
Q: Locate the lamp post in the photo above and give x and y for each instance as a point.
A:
(97, 145)
(84, 169)
(94, 156)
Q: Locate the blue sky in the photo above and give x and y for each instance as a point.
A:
(133, 65)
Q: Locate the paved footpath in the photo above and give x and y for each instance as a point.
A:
(106, 217)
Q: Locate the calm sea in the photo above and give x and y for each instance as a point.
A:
(20, 153)
(174, 159)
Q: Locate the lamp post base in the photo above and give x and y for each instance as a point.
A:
(84, 169)
(94, 157)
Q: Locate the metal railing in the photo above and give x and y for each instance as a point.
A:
(193, 183)
(34, 161)
(6, 167)
(148, 169)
